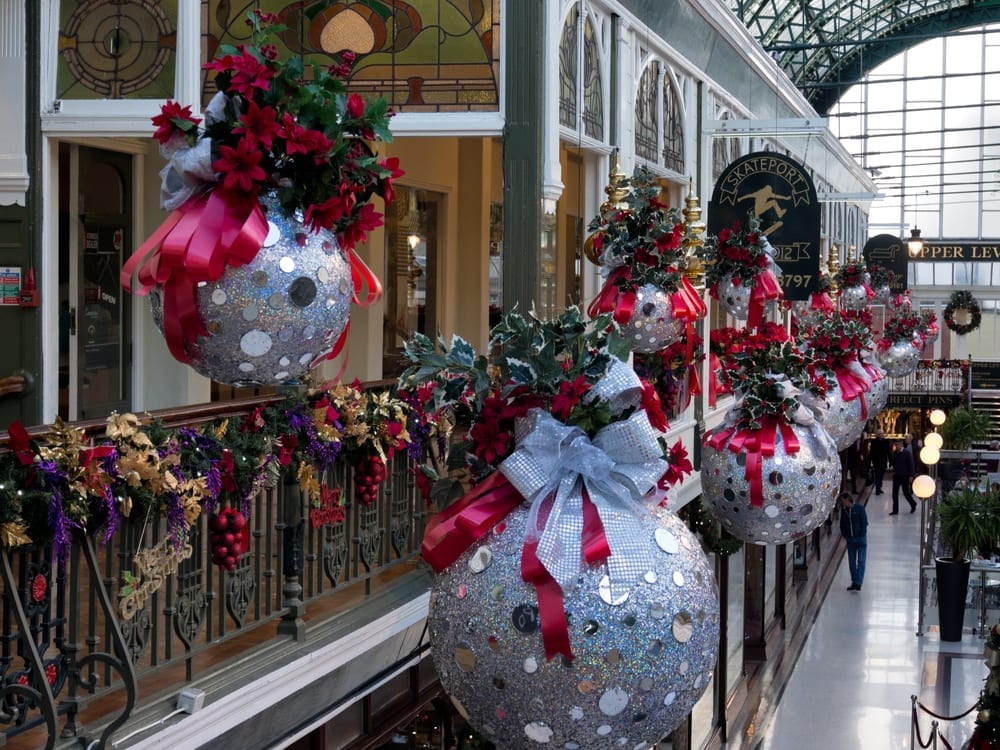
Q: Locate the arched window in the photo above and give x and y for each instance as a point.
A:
(568, 56)
(646, 114)
(593, 93)
(673, 127)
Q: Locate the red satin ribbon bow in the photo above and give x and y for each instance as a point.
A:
(821, 301)
(853, 387)
(758, 444)
(614, 299)
(197, 242)
(455, 529)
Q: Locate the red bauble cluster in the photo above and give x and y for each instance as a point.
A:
(369, 472)
(228, 538)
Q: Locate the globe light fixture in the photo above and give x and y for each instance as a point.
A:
(937, 417)
(929, 456)
(933, 440)
(923, 486)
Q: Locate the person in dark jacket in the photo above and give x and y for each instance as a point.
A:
(878, 457)
(854, 529)
(903, 469)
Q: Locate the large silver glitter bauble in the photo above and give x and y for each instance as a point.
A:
(900, 359)
(878, 396)
(806, 315)
(640, 661)
(652, 326)
(799, 489)
(842, 419)
(854, 298)
(735, 300)
(273, 319)
(882, 295)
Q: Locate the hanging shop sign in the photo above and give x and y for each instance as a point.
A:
(779, 192)
(889, 252)
(986, 376)
(949, 250)
(924, 400)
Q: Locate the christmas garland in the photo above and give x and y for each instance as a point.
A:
(962, 300)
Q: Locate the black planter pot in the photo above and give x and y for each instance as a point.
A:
(952, 586)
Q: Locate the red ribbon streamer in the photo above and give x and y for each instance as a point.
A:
(853, 387)
(765, 287)
(821, 301)
(457, 527)
(758, 444)
(196, 243)
(613, 299)
(715, 388)
(20, 444)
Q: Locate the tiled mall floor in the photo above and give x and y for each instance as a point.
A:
(862, 661)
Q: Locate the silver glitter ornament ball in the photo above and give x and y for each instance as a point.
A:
(878, 396)
(274, 318)
(641, 658)
(806, 315)
(854, 298)
(652, 326)
(799, 489)
(842, 419)
(882, 295)
(899, 359)
(735, 300)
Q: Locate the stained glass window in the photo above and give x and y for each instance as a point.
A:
(646, 119)
(673, 127)
(568, 55)
(116, 49)
(721, 153)
(421, 55)
(593, 94)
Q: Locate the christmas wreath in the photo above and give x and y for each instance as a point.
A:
(964, 305)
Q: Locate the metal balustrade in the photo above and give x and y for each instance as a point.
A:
(71, 639)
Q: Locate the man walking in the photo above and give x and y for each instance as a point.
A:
(903, 469)
(878, 457)
(854, 529)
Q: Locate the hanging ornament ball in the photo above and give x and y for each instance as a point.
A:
(878, 396)
(591, 250)
(274, 318)
(806, 315)
(735, 299)
(900, 358)
(652, 326)
(882, 295)
(842, 419)
(854, 298)
(798, 489)
(642, 655)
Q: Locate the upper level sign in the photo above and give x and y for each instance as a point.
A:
(779, 192)
(959, 250)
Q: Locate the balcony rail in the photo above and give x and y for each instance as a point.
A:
(934, 376)
(78, 633)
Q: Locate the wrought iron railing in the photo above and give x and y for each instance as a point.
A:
(934, 376)
(71, 638)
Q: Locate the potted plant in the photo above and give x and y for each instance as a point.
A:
(965, 522)
(965, 426)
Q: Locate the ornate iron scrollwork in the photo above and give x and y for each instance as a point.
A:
(370, 536)
(334, 552)
(136, 632)
(190, 607)
(241, 588)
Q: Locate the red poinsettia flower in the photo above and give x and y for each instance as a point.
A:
(490, 442)
(357, 231)
(249, 74)
(240, 167)
(260, 124)
(171, 121)
(286, 448)
(226, 468)
(570, 393)
(392, 165)
(329, 212)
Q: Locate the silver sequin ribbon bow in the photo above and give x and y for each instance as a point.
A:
(618, 467)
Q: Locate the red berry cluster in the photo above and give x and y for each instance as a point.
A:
(369, 472)
(228, 537)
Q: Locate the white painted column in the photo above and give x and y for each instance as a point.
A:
(13, 53)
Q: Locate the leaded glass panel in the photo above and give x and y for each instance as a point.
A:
(593, 94)
(673, 128)
(421, 55)
(646, 119)
(116, 49)
(568, 56)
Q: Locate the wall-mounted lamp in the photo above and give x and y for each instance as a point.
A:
(413, 240)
